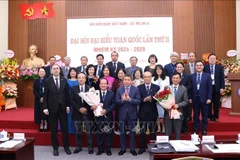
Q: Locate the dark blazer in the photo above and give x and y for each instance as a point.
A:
(129, 108)
(187, 69)
(95, 72)
(65, 74)
(76, 103)
(53, 97)
(108, 104)
(205, 90)
(120, 65)
(218, 76)
(129, 69)
(169, 70)
(79, 69)
(149, 107)
(186, 82)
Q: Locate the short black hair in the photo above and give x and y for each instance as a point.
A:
(41, 68)
(128, 75)
(176, 73)
(52, 57)
(180, 63)
(212, 54)
(141, 74)
(103, 79)
(119, 71)
(153, 56)
(193, 53)
(69, 76)
(199, 61)
(82, 73)
(90, 66)
(100, 55)
(133, 57)
(114, 52)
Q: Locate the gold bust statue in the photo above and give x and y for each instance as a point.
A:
(33, 60)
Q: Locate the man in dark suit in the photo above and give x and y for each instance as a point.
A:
(218, 86)
(171, 67)
(181, 101)
(83, 67)
(115, 65)
(82, 113)
(99, 67)
(186, 82)
(133, 61)
(52, 61)
(201, 96)
(128, 98)
(147, 110)
(189, 69)
(66, 68)
(55, 105)
(105, 122)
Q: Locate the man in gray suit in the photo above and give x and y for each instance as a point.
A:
(66, 68)
(189, 68)
(181, 100)
(130, 70)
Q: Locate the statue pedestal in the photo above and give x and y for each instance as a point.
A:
(28, 97)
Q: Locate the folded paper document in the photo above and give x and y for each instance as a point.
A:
(183, 146)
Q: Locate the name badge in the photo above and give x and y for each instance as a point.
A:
(198, 86)
(162, 139)
(208, 139)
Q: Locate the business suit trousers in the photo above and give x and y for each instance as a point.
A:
(173, 125)
(197, 107)
(213, 110)
(146, 121)
(104, 127)
(53, 122)
(78, 132)
(131, 123)
(185, 117)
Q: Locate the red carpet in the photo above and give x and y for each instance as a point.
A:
(21, 120)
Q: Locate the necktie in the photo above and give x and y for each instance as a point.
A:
(84, 69)
(211, 69)
(66, 69)
(99, 71)
(114, 66)
(175, 90)
(127, 90)
(192, 69)
(103, 96)
(81, 89)
(57, 85)
(148, 90)
(132, 70)
(198, 79)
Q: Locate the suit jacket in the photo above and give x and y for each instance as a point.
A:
(186, 82)
(53, 97)
(129, 108)
(120, 65)
(95, 72)
(108, 105)
(181, 99)
(79, 69)
(169, 70)
(129, 69)
(218, 76)
(76, 103)
(65, 74)
(149, 107)
(205, 90)
(187, 69)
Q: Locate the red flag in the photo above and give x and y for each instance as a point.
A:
(37, 10)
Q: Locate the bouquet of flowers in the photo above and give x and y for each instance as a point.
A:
(9, 92)
(29, 73)
(227, 91)
(9, 70)
(92, 98)
(167, 100)
(1, 99)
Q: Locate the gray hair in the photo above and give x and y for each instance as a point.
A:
(65, 58)
(174, 54)
(84, 57)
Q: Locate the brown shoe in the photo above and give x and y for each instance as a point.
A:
(216, 120)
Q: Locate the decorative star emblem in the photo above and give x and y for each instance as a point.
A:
(44, 11)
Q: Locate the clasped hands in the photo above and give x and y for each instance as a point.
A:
(94, 107)
(148, 98)
(125, 97)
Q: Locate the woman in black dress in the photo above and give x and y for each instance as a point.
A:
(152, 60)
(38, 90)
(91, 80)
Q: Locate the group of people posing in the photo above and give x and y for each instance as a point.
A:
(127, 98)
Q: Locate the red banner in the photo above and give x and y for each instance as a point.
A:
(37, 10)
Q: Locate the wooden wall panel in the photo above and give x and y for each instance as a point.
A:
(204, 27)
(123, 8)
(57, 31)
(224, 27)
(183, 27)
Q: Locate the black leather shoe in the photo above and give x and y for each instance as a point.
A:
(67, 150)
(122, 151)
(133, 152)
(45, 130)
(204, 133)
(99, 152)
(41, 130)
(90, 151)
(109, 153)
(55, 152)
(77, 150)
(141, 151)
